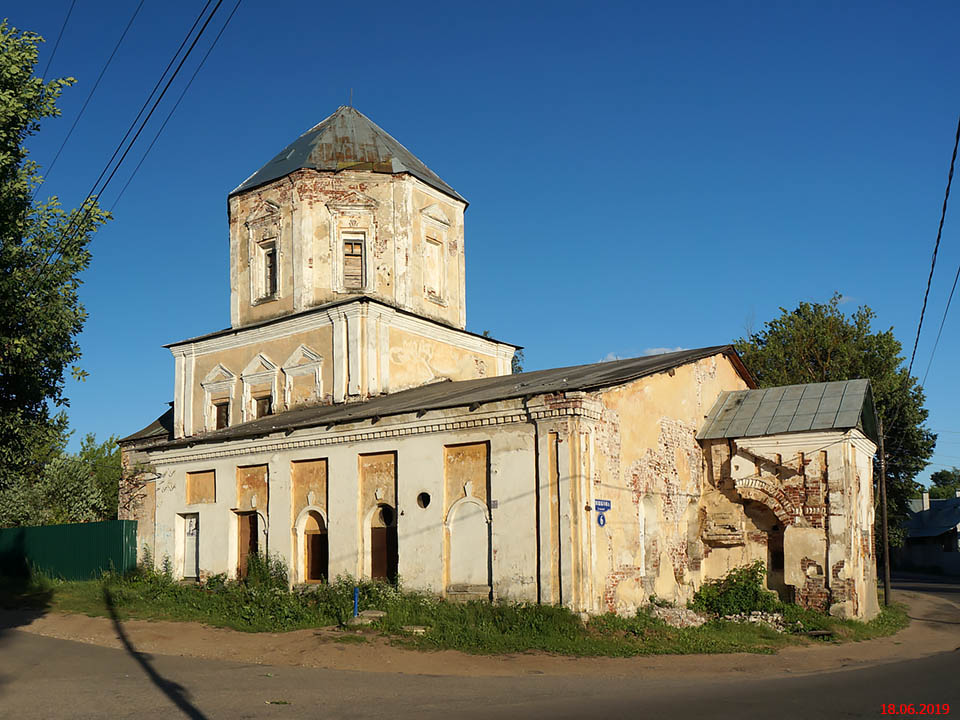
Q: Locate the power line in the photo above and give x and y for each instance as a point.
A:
(943, 320)
(106, 167)
(67, 236)
(57, 43)
(175, 106)
(933, 262)
(90, 95)
(936, 247)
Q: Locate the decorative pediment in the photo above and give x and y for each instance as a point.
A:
(435, 213)
(218, 374)
(352, 200)
(265, 210)
(260, 365)
(302, 356)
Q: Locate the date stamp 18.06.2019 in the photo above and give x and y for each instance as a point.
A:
(915, 709)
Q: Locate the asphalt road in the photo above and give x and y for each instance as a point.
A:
(48, 678)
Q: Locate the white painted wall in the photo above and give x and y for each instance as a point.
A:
(420, 530)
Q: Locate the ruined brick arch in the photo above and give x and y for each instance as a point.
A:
(769, 493)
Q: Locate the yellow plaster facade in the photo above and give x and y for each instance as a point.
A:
(348, 286)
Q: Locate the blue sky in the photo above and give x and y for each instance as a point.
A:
(640, 176)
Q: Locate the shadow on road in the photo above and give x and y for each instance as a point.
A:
(176, 692)
(23, 598)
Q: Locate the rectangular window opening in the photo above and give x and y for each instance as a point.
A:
(264, 406)
(353, 263)
(270, 270)
(223, 414)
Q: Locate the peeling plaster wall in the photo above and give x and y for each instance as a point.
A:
(416, 360)
(309, 210)
(649, 464)
(819, 485)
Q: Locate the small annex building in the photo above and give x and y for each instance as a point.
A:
(348, 422)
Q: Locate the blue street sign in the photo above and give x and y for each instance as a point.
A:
(601, 506)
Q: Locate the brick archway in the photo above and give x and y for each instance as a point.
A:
(768, 492)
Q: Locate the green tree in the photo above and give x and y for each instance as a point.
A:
(945, 483)
(102, 461)
(66, 492)
(817, 342)
(43, 248)
(516, 362)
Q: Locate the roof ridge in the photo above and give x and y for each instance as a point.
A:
(359, 142)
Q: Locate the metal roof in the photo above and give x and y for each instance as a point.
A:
(792, 408)
(347, 140)
(943, 516)
(463, 393)
(162, 427)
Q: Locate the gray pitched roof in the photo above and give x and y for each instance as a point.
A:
(161, 428)
(943, 516)
(792, 408)
(347, 140)
(463, 393)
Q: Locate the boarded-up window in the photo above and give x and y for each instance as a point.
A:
(353, 263)
(201, 487)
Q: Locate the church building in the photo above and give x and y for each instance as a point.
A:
(348, 422)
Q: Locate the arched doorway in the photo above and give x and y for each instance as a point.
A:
(316, 548)
(767, 522)
(383, 543)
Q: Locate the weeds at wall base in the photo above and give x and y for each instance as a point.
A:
(263, 603)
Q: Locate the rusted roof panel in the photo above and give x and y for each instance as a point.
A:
(792, 408)
(347, 140)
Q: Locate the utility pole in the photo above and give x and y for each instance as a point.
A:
(883, 520)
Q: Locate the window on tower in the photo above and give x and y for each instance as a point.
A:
(353, 275)
(266, 272)
(270, 270)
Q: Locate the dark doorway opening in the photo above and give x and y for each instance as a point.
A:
(248, 534)
(384, 557)
(317, 549)
(768, 523)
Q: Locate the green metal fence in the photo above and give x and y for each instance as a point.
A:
(73, 552)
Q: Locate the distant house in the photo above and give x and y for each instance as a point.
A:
(933, 535)
(348, 422)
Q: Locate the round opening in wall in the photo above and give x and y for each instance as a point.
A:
(423, 499)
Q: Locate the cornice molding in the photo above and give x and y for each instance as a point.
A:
(308, 438)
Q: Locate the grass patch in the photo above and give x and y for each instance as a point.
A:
(891, 619)
(352, 639)
(262, 603)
